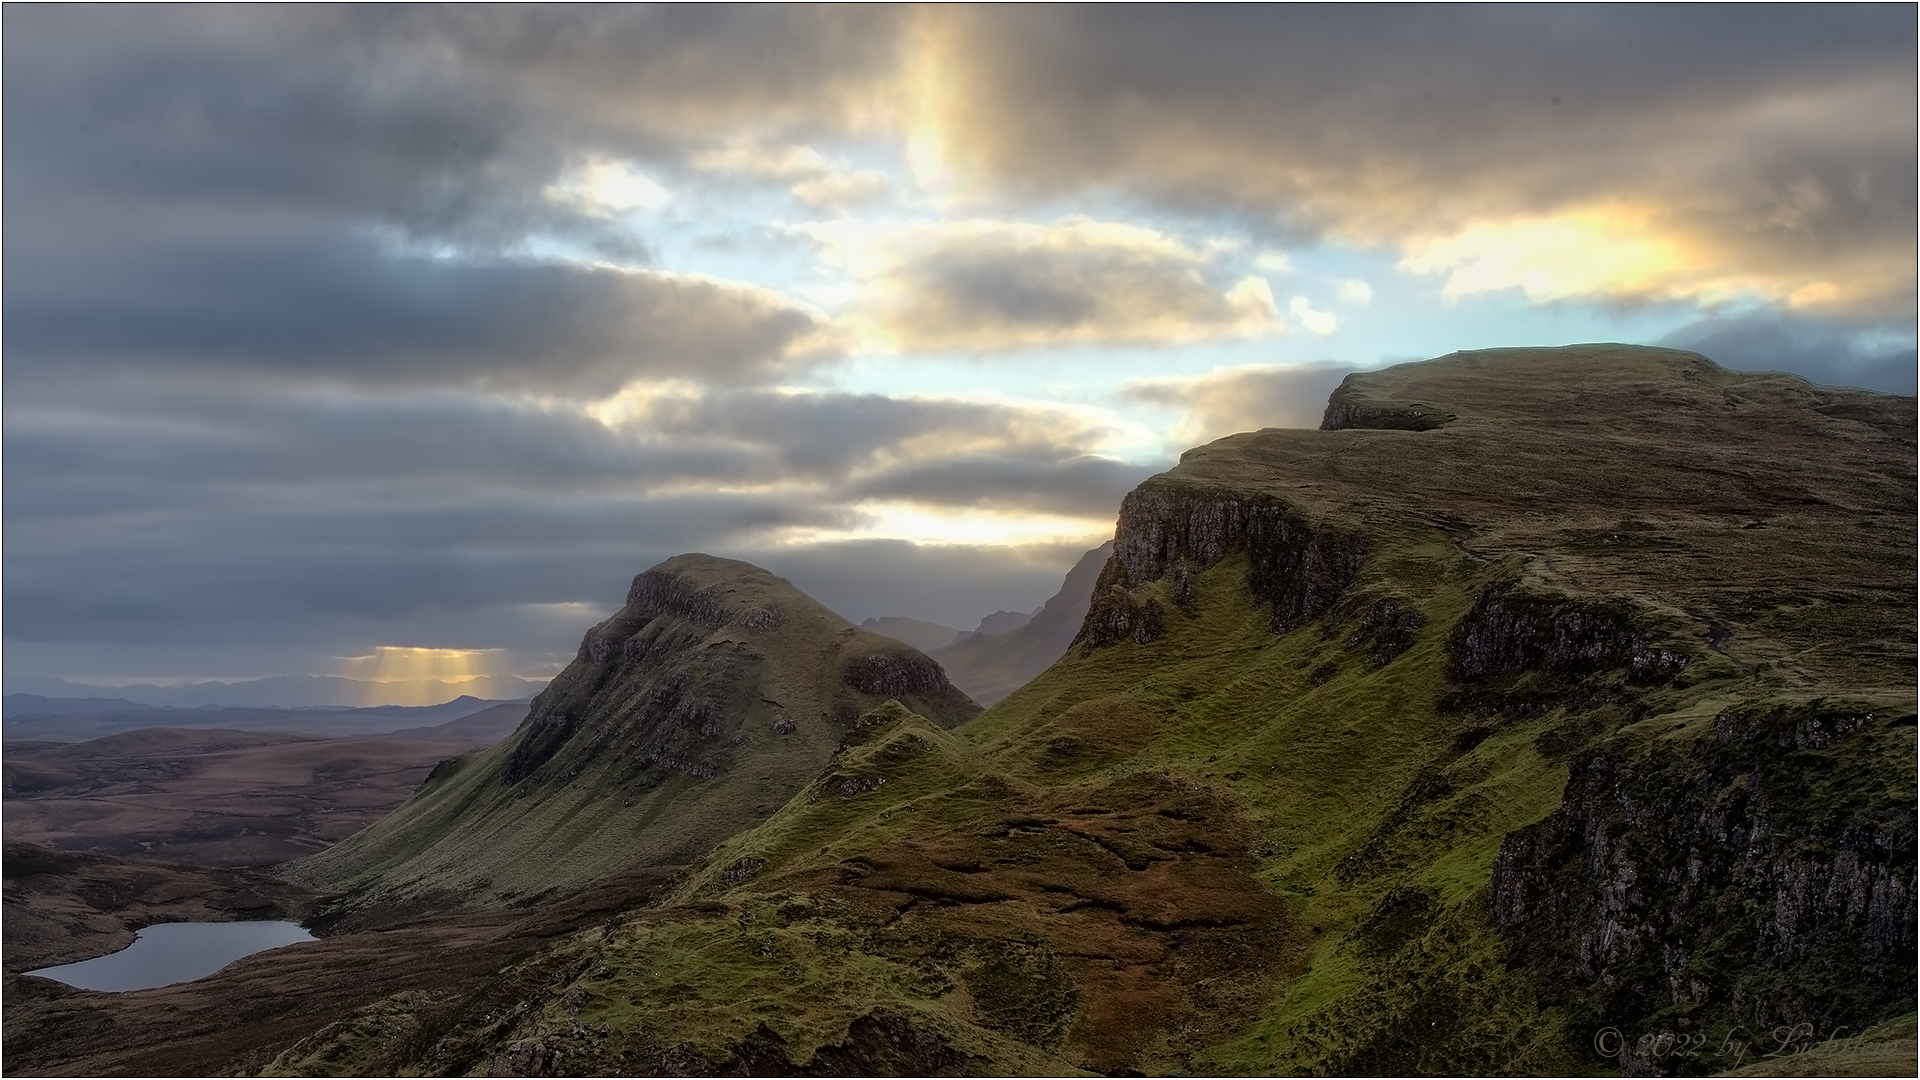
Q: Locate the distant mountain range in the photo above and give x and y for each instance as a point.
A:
(927, 636)
(279, 691)
(1006, 653)
(919, 633)
(30, 717)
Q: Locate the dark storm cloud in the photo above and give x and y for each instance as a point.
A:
(833, 435)
(423, 115)
(991, 287)
(309, 460)
(274, 316)
(1821, 350)
(1767, 143)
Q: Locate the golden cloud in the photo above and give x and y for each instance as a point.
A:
(819, 181)
(1649, 156)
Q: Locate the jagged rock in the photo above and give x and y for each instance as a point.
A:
(1760, 877)
(895, 674)
(1508, 632)
(1170, 530)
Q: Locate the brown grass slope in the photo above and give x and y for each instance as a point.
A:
(213, 797)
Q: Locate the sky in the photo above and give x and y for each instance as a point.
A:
(387, 340)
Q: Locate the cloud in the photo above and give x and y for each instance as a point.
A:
(1822, 350)
(159, 513)
(953, 584)
(1234, 399)
(1767, 155)
(1313, 319)
(990, 286)
(359, 195)
(946, 452)
(336, 326)
(602, 187)
(319, 308)
(818, 181)
(1709, 152)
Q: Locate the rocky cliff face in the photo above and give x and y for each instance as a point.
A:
(1760, 878)
(1351, 406)
(1170, 531)
(1509, 632)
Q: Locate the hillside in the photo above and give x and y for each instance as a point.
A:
(696, 711)
(1541, 693)
(217, 797)
(990, 665)
(65, 906)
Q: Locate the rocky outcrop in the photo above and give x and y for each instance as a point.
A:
(1350, 407)
(1385, 628)
(879, 1044)
(1172, 531)
(897, 674)
(1763, 878)
(1508, 632)
(661, 592)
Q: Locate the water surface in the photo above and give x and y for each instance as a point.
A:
(169, 953)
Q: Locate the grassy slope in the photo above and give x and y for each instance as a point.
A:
(1233, 852)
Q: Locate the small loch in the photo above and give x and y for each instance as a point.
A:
(169, 953)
